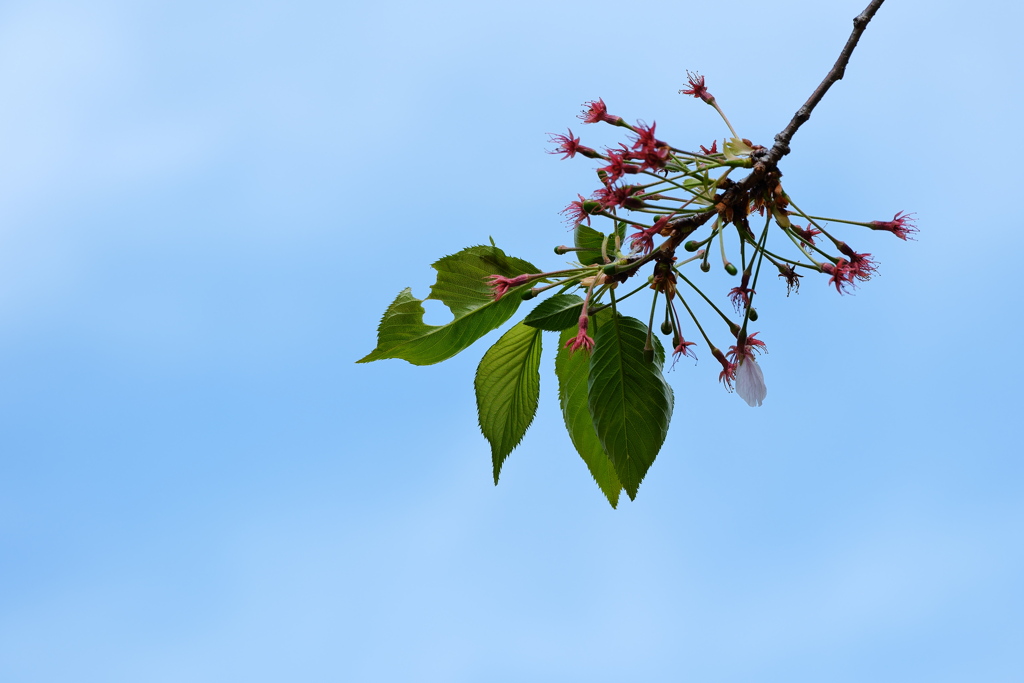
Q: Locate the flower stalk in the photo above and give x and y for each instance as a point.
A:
(702, 179)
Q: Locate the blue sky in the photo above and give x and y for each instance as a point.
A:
(206, 208)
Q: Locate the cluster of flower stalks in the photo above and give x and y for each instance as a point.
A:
(661, 217)
(670, 208)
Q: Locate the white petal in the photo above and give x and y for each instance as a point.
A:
(750, 382)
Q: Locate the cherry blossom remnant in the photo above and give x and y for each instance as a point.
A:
(669, 196)
(582, 340)
(570, 146)
(501, 285)
(746, 372)
(596, 111)
(697, 88)
(902, 225)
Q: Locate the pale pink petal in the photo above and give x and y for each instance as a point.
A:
(750, 382)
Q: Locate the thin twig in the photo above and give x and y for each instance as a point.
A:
(765, 161)
(860, 22)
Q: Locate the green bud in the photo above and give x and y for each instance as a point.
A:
(562, 249)
(610, 269)
(731, 269)
(705, 266)
(753, 314)
(529, 294)
(648, 355)
(666, 328)
(691, 245)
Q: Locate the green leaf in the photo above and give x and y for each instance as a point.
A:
(629, 400)
(462, 278)
(507, 390)
(462, 287)
(558, 313)
(589, 241)
(573, 371)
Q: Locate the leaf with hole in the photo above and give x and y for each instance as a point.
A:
(461, 286)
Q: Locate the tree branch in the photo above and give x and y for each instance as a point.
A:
(763, 180)
(781, 146)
